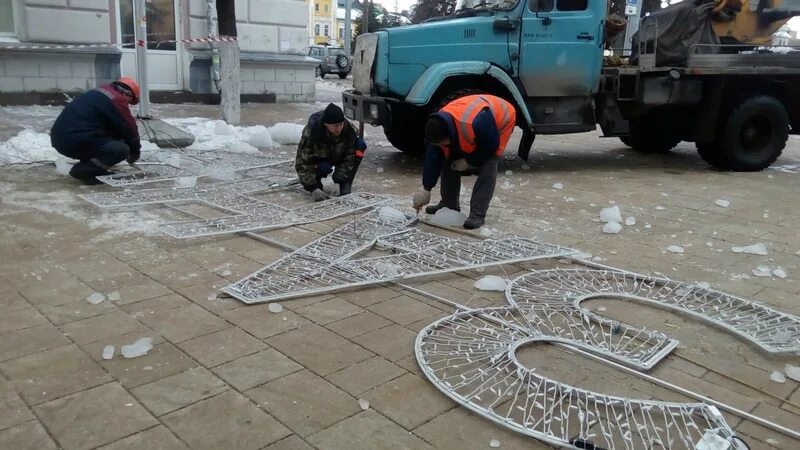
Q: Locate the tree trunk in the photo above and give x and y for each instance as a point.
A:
(230, 83)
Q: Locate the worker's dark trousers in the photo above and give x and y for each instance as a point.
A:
(324, 170)
(97, 161)
(482, 191)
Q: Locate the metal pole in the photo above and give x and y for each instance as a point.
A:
(211, 30)
(348, 33)
(365, 16)
(140, 35)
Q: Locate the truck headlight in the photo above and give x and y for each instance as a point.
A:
(373, 111)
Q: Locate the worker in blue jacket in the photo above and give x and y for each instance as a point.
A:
(98, 129)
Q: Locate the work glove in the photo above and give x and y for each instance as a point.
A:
(360, 144)
(318, 195)
(460, 165)
(324, 168)
(339, 178)
(421, 199)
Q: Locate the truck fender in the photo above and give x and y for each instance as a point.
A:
(427, 84)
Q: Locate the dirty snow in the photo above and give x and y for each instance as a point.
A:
(755, 249)
(777, 377)
(447, 217)
(139, 348)
(108, 352)
(675, 249)
(275, 308)
(611, 214)
(491, 283)
(95, 298)
(26, 147)
(722, 203)
(612, 228)
(630, 221)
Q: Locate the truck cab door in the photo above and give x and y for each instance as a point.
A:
(561, 47)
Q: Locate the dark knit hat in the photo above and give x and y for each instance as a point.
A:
(333, 114)
(436, 130)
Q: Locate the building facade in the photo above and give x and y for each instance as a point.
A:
(324, 21)
(272, 37)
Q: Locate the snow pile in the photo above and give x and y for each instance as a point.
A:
(27, 146)
(216, 134)
(139, 348)
(286, 133)
(447, 217)
(491, 283)
(755, 249)
(722, 203)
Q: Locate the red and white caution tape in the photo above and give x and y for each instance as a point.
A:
(139, 42)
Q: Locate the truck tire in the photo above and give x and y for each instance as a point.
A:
(755, 134)
(652, 134)
(406, 129)
(710, 153)
(341, 62)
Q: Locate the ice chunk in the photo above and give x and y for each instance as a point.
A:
(612, 228)
(138, 348)
(648, 226)
(712, 441)
(509, 173)
(212, 296)
(95, 298)
(675, 249)
(777, 377)
(611, 214)
(379, 170)
(755, 249)
(388, 270)
(485, 232)
(186, 182)
(703, 285)
(62, 166)
(494, 443)
(389, 214)
(569, 199)
(779, 272)
(660, 208)
(286, 133)
(108, 352)
(762, 271)
(446, 217)
(558, 186)
(113, 296)
(630, 221)
(258, 136)
(226, 273)
(491, 283)
(363, 404)
(772, 441)
(275, 308)
(222, 129)
(722, 203)
(793, 372)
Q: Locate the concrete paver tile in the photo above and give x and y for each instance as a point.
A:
(305, 402)
(226, 421)
(405, 310)
(258, 321)
(94, 417)
(218, 348)
(365, 375)
(75, 311)
(155, 306)
(318, 349)
(53, 373)
(102, 327)
(132, 287)
(256, 369)
(181, 324)
(162, 361)
(393, 342)
(15, 344)
(300, 303)
(176, 275)
(157, 438)
(368, 296)
(179, 390)
(21, 319)
(56, 294)
(12, 301)
(409, 401)
(329, 311)
(357, 325)
(290, 443)
(28, 436)
(13, 410)
(367, 430)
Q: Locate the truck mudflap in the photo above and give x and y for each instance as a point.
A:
(365, 108)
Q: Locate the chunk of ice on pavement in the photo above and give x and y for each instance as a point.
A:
(494, 443)
(660, 208)
(389, 214)
(558, 186)
(226, 273)
(138, 348)
(762, 271)
(712, 441)
(485, 232)
(108, 352)
(212, 296)
(286, 133)
(258, 136)
(675, 249)
(446, 217)
(275, 308)
(779, 272)
(612, 228)
(186, 182)
(611, 214)
(388, 270)
(379, 170)
(95, 298)
(509, 173)
(630, 221)
(363, 404)
(772, 441)
(648, 226)
(755, 249)
(777, 377)
(491, 283)
(703, 285)
(792, 372)
(722, 203)
(113, 296)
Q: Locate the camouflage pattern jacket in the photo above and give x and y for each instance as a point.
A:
(317, 145)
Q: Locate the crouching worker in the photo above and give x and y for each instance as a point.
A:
(329, 144)
(98, 129)
(466, 137)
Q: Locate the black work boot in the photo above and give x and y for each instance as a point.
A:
(473, 222)
(87, 173)
(345, 189)
(431, 209)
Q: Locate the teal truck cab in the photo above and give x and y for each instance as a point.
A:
(546, 57)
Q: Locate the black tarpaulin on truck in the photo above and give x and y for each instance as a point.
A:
(673, 30)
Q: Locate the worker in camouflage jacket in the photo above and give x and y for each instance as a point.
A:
(330, 144)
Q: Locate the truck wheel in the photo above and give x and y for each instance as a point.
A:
(755, 134)
(710, 152)
(318, 72)
(651, 135)
(406, 129)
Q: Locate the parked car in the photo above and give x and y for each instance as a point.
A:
(331, 60)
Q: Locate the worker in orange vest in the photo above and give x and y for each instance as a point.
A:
(466, 137)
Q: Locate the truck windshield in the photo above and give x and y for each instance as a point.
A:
(464, 5)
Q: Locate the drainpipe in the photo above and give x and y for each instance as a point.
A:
(210, 9)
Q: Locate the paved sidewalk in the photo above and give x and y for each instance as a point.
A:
(224, 375)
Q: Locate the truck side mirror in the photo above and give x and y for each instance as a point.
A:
(505, 24)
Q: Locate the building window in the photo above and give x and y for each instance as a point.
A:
(341, 33)
(6, 17)
(160, 24)
(316, 7)
(326, 8)
(327, 30)
(316, 30)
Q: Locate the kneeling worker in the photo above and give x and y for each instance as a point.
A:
(329, 141)
(466, 137)
(98, 129)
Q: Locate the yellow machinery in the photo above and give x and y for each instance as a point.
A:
(752, 21)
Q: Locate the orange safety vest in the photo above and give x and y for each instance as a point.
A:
(465, 109)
